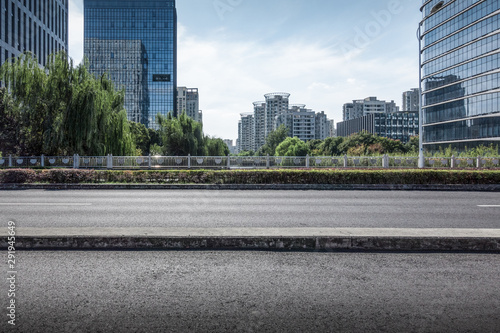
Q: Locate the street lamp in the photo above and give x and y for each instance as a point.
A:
(421, 158)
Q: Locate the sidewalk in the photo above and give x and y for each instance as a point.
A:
(269, 239)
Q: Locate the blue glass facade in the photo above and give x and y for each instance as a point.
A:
(39, 27)
(135, 43)
(460, 73)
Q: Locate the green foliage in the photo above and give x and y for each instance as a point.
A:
(9, 125)
(273, 140)
(247, 153)
(330, 146)
(140, 136)
(63, 110)
(181, 136)
(397, 177)
(292, 147)
(483, 151)
(216, 147)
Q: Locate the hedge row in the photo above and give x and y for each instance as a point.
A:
(418, 177)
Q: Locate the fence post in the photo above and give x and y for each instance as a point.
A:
(10, 161)
(229, 161)
(479, 162)
(42, 161)
(268, 162)
(385, 161)
(189, 161)
(452, 161)
(76, 161)
(345, 161)
(110, 162)
(149, 161)
(307, 161)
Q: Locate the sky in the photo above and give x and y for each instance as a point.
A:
(324, 53)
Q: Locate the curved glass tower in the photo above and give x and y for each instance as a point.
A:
(135, 43)
(460, 73)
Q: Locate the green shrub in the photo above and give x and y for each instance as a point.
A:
(18, 176)
(418, 177)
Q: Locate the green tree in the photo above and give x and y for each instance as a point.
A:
(216, 147)
(315, 147)
(330, 146)
(412, 146)
(363, 139)
(140, 135)
(9, 126)
(292, 147)
(273, 140)
(181, 136)
(64, 110)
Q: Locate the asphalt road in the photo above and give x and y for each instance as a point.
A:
(219, 209)
(254, 292)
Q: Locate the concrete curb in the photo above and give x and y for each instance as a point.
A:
(276, 187)
(314, 239)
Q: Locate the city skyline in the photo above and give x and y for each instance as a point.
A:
(324, 57)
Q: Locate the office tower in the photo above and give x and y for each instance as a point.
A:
(39, 27)
(460, 80)
(393, 125)
(135, 43)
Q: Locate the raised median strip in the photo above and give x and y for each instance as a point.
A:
(270, 239)
(260, 187)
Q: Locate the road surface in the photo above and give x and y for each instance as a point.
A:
(254, 292)
(250, 209)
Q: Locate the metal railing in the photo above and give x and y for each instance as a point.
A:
(240, 162)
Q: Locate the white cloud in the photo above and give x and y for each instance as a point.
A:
(75, 22)
(231, 75)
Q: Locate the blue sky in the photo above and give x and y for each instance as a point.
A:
(324, 53)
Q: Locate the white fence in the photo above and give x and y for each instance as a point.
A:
(237, 162)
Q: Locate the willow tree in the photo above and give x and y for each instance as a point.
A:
(182, 136)
(66, 110)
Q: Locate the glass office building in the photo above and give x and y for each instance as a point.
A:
(39, 27)
(135, 43)
(460, 73)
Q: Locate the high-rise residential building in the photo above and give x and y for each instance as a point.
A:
(260, 123)
(276, 111)
(276, 103)
(246, 132)
(322, 126)
(333, 130)
(188, 100)
(301, 122)
(232, 149)
(460, 79)
(411, 100)
(394, 125)
(39, 27)
(135, 43)
(369, 105)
